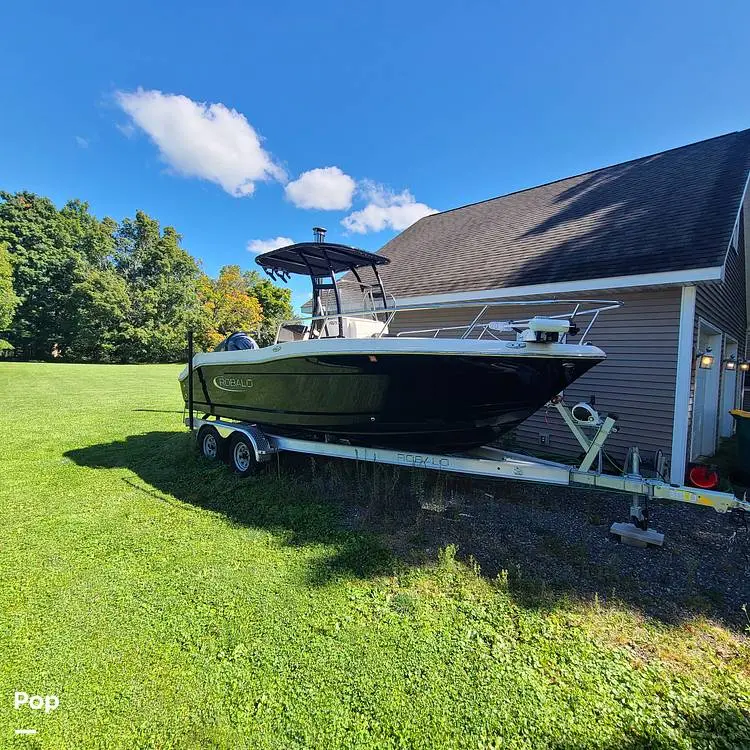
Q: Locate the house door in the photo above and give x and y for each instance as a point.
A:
(728, 391)
(706, 396)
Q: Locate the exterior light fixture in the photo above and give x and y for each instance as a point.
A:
(730, 363)
(706, 359)
(744, 366)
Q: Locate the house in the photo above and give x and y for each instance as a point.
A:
(665, 234)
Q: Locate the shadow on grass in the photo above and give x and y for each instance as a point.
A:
(162, 411)
(716, 726)
(546, 542)
(170, 467)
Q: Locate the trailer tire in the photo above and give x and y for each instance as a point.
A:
(211, 444)
(242, 457)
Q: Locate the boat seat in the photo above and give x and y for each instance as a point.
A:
(354, 328)
(362, 328)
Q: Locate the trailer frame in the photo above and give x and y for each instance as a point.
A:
(493, 462)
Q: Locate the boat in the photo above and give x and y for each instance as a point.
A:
(348, 372)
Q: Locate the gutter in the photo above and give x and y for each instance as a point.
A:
(670, 278)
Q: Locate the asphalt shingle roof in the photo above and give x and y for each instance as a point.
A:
(671, 211)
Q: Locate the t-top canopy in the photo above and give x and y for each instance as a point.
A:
(316, 259)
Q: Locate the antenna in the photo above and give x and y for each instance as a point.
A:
(319, 233)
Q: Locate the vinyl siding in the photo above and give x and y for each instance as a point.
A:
(724, 303)
(636, 382)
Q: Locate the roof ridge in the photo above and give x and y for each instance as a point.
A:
(583, 174)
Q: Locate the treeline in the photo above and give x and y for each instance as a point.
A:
(80, 288)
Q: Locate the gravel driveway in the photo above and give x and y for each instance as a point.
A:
(555, 541)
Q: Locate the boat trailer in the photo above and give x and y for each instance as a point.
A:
(246, 445)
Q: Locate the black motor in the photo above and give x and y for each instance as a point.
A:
(237, 342)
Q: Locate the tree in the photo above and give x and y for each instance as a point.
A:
(275, 303)
(162, 282)
(45, 262)
(102, 305)
(227, 307)
(8, 298)
(97, 290)
(87, 236)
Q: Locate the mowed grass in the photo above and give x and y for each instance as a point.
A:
(171, 605)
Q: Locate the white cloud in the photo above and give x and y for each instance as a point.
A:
(81, 142)
(209, 141)
(385, 210)
(263, 246)
(127, 129)
(326, 188)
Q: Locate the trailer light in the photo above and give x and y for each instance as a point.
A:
(744, 366)
(706, 359)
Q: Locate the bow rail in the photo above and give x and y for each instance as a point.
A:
(482, 319)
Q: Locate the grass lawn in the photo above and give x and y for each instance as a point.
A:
(170, 605)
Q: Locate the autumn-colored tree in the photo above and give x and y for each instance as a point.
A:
(227, 306)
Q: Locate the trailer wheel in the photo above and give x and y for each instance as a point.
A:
(210, 443)
(242, 455)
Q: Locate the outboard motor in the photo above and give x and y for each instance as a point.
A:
(237, 342)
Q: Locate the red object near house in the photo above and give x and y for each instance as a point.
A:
(704, 477)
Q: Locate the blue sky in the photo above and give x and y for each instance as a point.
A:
(407, 106)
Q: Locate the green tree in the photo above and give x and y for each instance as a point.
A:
(162, 283)
(275, 303)
(8, 298)
(46, 261)
(94, 289)
(92, 239)
(102, 304)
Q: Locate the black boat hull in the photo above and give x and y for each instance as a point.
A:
(429, 402)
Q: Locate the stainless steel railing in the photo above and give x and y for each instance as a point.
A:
(579, 308)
